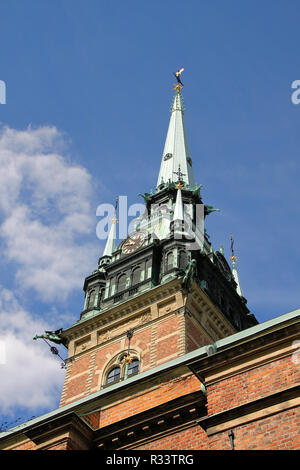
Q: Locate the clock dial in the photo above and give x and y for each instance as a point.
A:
(133, 242)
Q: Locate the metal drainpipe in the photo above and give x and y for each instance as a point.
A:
(231, 438)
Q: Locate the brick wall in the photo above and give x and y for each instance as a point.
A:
(277, 432)
(193, 438)
(245, 386)
(160, 342)
(29, 445)
(195, 338)
(145, 401)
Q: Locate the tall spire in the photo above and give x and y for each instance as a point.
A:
(111, 239)
(176, 151)
(178, 211)
(234, 270)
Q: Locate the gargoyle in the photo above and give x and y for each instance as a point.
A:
(146, 196)
(53, 336)
(209, 209)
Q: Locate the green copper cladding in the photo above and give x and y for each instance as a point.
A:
(176, 152)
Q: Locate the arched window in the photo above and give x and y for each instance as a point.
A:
(91, 301)
(101, 293)
(148, 268)
(169, 261)
(133, 367)
(122, 283)
(113, 375)
(136, 276)
(182, 259)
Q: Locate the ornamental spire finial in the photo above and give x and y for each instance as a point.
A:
(179, 84)
(233, 257)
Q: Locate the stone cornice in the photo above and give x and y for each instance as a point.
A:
(59, 430)
(132, 306)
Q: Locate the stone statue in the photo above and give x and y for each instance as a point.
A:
(190, 274)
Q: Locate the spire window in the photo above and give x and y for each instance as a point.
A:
(92, 296)
(182, 259)
(122, 283)
(136, 275)
(169, 261)
(148, 268)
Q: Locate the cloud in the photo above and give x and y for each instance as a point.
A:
(30, 377)
(45, 202)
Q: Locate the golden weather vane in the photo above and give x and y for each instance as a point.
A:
(233, 257)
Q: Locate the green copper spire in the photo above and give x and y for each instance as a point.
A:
(111, 239)
(178, 210)
(176, 151)
(110, 242)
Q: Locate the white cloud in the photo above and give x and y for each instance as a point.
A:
(47, 216)
(30, 377)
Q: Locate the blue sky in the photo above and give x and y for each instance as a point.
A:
(89, 88)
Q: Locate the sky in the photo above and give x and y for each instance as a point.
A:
(89, 87)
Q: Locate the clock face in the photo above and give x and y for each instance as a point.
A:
(133, 242)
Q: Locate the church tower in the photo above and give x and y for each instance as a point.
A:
(165, 354)
(163, 291)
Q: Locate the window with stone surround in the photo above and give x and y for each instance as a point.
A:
(121, 283)
(113, 375)
(136, 275)
(121, 367)
(91, 300)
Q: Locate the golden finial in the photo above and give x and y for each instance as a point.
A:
(178, 87)
(128, 359)
(179, 185)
